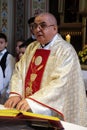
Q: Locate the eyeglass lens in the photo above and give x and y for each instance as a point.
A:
(42, 25)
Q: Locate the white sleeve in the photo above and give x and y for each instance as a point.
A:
(10, 64)
(1, 79)
(38, 108)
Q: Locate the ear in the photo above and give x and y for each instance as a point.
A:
(55, 27)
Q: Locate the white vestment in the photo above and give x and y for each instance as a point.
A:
(62, 88)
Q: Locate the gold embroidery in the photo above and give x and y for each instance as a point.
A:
(28, 91)
(29, 85)
(33, 75)
(38, 60)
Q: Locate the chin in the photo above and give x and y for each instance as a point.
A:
(39, 40)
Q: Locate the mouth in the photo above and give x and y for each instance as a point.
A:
(39, 36)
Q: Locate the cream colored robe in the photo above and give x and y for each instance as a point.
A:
(62, 88)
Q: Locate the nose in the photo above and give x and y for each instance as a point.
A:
(38, 27)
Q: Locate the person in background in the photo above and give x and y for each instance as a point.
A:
(22, 45)
(7, 63)
(22, 49)
(1, 80)
(32, 37)
(30, 23)
(18, 43)
(48, 78)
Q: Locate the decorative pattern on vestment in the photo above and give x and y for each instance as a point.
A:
(35, 71)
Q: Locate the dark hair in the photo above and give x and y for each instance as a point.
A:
(24, 44)
(31, 20)
(2, 35)
(21, 40)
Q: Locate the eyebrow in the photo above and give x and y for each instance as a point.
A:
(40, 22)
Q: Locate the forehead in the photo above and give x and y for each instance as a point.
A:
(19, 43)
(41, 18)
(2, 40)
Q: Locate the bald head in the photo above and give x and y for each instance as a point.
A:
(45, 27)
(51, 18)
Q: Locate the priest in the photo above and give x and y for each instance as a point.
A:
(48, 78)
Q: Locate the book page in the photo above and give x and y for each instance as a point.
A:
(14, 112)
(2, 107)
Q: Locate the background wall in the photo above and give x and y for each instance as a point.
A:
(7, 21)
(14, 15)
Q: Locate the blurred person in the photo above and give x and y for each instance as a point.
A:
(7, 63)
(18, 43)
(32, 36)
(22, 49)
(30, 23)
(48, 78)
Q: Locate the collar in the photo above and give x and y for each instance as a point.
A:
(49, 44)
(3, 51)
(44, 45)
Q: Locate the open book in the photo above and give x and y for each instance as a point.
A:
(32, 119)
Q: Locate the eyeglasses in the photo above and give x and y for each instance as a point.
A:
(42, 25)
(31, 26)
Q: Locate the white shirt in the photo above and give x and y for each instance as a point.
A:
(1, 79)
(10, 63)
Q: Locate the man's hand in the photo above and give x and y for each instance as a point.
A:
(23, 105)
(12, 102)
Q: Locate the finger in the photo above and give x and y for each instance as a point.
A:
(13, 104)
(24, 107)
(8, 104)
(19, 106)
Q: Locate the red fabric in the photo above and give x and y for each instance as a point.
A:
(35, 71)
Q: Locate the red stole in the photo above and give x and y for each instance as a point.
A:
(35, 71)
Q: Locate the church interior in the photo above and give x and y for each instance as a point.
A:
(71, 17)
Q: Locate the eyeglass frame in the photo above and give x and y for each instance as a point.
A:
(31, 25)
(42, 25)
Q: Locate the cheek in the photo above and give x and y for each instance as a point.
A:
(48, 35)
(2, 46)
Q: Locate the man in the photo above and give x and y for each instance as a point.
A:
(32, 37)
(48, 78)
(30, 23)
